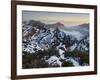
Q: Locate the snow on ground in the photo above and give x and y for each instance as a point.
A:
(73, 47)
(54, 60)
(61, 54)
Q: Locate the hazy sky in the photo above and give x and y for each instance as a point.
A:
(68, 19)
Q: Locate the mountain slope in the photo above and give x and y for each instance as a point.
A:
(55, 45)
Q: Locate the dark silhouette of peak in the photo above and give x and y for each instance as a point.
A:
(87, 24)
(59, 24)
(84, 25)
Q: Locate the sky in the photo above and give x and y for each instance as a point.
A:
(68, 19)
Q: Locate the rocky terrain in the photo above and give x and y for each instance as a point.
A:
(54, 45)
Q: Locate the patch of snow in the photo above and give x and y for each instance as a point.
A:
(73, 47)
(54, 60)
(61, 54)
(75, 63)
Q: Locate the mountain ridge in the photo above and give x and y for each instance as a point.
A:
(43, 37)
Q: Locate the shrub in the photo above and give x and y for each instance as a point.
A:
(54, 65)
(83, 56)
(67, 64)
(33, 60)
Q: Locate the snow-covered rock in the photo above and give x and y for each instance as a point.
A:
(53, 60)
(39, 36)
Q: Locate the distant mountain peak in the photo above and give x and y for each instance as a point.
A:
(84, 25)
(59, 24)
